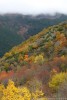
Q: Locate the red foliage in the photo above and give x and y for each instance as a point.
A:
(4, 75)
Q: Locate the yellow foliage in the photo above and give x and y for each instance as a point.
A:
(20, 58)
(1, 90)
(7, 54)
(37, 94)
(39, 59)
(58, 36)
(57, 80)
(11, 92)
(31, 58)
(63, 57)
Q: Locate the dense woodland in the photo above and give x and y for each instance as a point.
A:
(37, 68)
(16, 28)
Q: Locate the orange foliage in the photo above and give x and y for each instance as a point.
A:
(26, 57)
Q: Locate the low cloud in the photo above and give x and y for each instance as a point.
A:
(33, 6)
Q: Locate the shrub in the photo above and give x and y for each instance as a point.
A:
(56, 81)
(11, 92)
(39, 59)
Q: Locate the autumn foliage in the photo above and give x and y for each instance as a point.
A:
(11, 92)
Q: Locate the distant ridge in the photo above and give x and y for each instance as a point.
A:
(16, 28)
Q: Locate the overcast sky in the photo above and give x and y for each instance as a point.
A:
(33, 6)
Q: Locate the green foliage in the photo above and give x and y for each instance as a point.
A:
(50, 42)
(6, 66)
(36, 58)
(63, 67)
(20, 58)
(30, 48)
(12, 25)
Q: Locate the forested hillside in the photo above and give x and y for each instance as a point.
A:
(15, 28)
(39, 64)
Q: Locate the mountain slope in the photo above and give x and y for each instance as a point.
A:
(52, 42)
(34, 62)
(15, 28)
